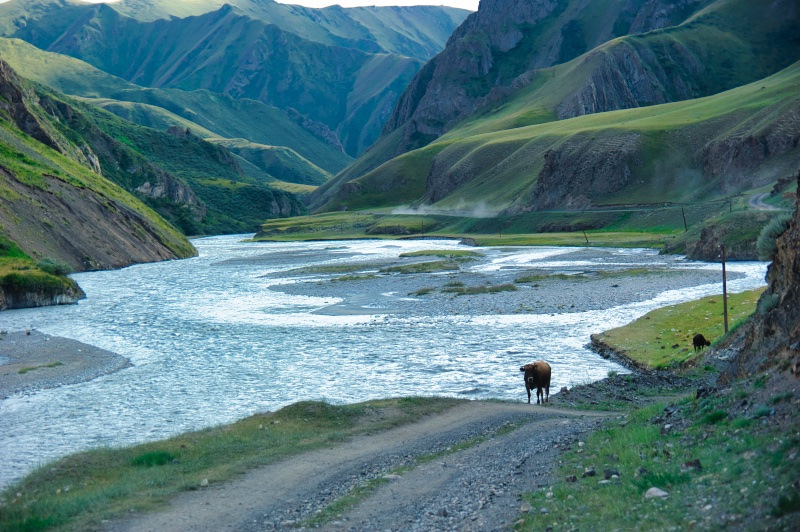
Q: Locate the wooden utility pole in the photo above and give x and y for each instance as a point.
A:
(724, 291)
(685, 227)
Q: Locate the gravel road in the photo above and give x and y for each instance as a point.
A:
(515, 448)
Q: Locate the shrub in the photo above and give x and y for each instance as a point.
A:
(54, 267)
(765, 245)
(714, 417)
(153, 458)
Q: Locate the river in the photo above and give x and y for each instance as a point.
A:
(215, 338)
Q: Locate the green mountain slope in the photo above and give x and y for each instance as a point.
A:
(330, 86)
(205, 113)
(279, 162)
(198, 186)
(52, 205)
(577, 58)
(687, 151)
(493, 77)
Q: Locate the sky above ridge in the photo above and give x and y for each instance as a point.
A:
(472, 5)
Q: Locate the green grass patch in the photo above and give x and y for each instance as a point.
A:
(483, 289)
(422, 267)
(349, 267)
(345, 278)
(664, 336)
(715, 474)
(153, 458)
(422, 292)
(81, 490)
(28, 369)
(444, 253)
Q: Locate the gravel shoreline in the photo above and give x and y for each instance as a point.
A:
(32, 361)
(368, 291)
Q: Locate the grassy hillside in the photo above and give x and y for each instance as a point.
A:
(684, 152)
(234, 201)
(279, 162)
(207, 114)
(54, 207)
(504, 69)
(225, 52)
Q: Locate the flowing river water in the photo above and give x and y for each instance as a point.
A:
(219, 337)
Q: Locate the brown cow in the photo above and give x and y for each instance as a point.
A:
(699, 341)
(537, 375)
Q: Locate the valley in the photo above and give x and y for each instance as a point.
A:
(327, 238)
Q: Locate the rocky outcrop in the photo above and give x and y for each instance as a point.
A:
(581, 169)
(78, 226)
(16, 292)
(318, 129)
(739, 155)
(771, 339)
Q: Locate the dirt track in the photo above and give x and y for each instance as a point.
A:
(477, 488)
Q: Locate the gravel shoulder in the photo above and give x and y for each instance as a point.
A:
(31, 361)
(514, 449)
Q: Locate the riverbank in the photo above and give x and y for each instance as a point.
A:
(31, 361)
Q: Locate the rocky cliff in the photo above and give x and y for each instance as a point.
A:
(771, 340)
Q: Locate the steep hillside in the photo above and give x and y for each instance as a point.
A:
(612, 55)
(477, 97)
(207, 114)
(683, 152)
(770, 342)
(279, 162)
(215, 195)
(54, 207)
(340, 86)
(198, 186)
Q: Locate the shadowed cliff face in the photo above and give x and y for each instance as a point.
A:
(772, 338)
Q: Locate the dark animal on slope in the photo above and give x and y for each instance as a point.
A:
(537, 375)
(699, 341)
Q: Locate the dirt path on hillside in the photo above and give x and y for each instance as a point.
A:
(757, 202)
(477, 488)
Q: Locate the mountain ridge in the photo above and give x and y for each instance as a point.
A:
(229, 52)
(592, 82)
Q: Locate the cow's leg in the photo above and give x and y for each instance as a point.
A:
(547, 389)
(538, 393)
(529, 394)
